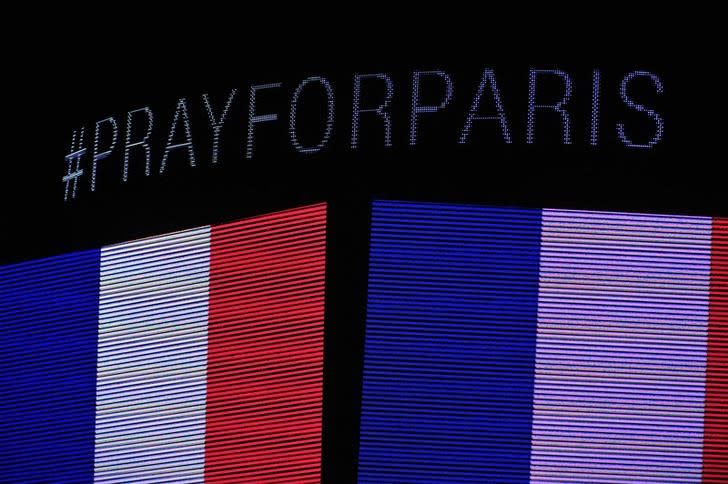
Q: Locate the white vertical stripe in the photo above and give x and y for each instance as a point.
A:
(152, 358)
(621, 348)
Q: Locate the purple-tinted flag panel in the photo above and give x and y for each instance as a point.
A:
(624, 346)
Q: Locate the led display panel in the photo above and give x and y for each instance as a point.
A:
(506, 345)
(195, 356)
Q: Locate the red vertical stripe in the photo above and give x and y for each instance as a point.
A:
(715, 448)
(265, 353)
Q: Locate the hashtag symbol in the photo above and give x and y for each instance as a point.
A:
(73, 164)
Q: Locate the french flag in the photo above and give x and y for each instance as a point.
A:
(191, 357)
(509, 345)
(502, 345)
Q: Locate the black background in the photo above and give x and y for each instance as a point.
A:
(59, 92)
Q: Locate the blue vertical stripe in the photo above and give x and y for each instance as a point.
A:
(450, 344)
(48, 331)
